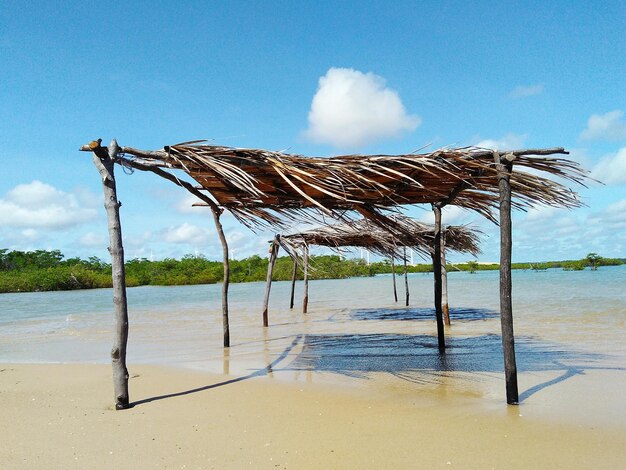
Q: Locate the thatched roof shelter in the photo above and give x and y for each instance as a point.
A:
(366, 234)
(261, 187)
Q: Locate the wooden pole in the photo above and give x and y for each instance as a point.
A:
(393, 278)
(268, 283)
(105, 162)
(406, 279)
(437, 273)
(504, 167)
(225, 284)
(444, 282)
(305, 300)
(294, 273)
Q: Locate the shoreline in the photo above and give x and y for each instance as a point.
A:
(60, 416)
(378, 269)
(355, 383)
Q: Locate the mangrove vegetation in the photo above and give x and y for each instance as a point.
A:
(43, 270)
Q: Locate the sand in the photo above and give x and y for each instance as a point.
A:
(60, 416)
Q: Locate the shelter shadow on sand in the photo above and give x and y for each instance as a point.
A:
(415, 358)
(421, 313)
(257, 373)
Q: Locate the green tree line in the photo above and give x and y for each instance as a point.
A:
(42, 270)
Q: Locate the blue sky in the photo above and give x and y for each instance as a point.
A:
(305, 77)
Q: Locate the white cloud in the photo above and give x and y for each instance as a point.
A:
(546, 233)
(614, 216)
(612, 168)
(40, 205)
(454, 215)
(542, 213)
(86, 198)
(617, 207)
(508, 142)
(352, 108)
(30, 234)
(609, 126)
(186, 233)
(605, 230)
(185, 205)
(580, 155)
(237, 239)
(539, 220)
(525, 91)
(450, 215)
(23, 239)
(93, 239)
(549, 234)
(242, 244)
(139, 245)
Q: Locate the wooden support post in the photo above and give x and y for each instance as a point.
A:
(444, 282)
(226, 282)
(437, 273)
(406, 280)
(268, 283)
(305, 300)
(504, 167)
(393, 278)
(105, 162)
(293, 282)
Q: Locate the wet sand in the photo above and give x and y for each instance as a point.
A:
(60, 416)
(355, 383)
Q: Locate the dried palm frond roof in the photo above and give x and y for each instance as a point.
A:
(263, 186)
(366, 234)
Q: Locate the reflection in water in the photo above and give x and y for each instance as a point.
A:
(266, 353)
(226, 361)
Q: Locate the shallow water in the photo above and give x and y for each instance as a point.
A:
(567, 324)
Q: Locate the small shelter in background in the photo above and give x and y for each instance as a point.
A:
(261, 187)
(364, 233)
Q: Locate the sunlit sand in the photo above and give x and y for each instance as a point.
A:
(356, 383)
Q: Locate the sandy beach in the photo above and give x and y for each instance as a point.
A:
(355, 383)
(60, 416)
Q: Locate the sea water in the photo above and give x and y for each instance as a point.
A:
(354, 328)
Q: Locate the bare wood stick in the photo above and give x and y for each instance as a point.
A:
(444, 271)
(305, 300)
(105, 163)
(406, 279)
(226, 282)
(293, 282)
(268, 283)
(393, 278)
(453, 194)
(216, 211)
(444, 282)
(549, 151)
(182, 183)
(506, 305)
(437, 273)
